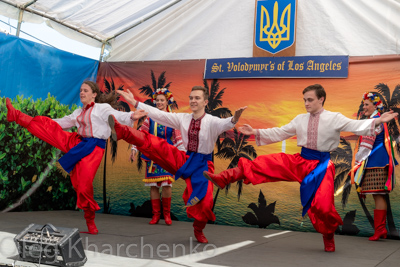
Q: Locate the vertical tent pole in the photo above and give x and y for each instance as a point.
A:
(102, 51)
(21, 14)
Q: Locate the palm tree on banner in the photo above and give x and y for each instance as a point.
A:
(234, 149)
(148, 90)
(119, 105)
(214, 106)
(342, 159)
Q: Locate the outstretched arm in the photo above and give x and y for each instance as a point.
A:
(237, 114)
(132, 156)
(128, 97)
(138, 114)
(271, 135)
(386, 117)
(247, 130)
(168, 119)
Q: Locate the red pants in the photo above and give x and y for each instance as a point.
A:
(294, 168)
(171, 159)
(83, 174)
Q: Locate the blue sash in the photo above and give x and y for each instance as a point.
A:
(379, 156)
(194, 167)
(78, 152)
(312, 181)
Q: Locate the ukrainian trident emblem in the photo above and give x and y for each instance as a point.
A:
(275, 25)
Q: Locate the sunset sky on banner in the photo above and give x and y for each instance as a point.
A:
(271, 102)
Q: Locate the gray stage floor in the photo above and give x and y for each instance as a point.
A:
(131, 241)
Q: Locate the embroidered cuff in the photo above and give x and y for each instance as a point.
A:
(234, 122)
(137, 104)
(132, 119)
(373, 126)
(258, 137)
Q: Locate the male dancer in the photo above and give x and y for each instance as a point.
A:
(199, 134)
(318, 133)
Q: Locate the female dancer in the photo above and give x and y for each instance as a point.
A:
(375, 164)
(84, 149)
(156, 176)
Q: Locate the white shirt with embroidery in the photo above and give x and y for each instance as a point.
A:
(367, 143)
(93, 122)
(176, 137)
(210, 127)
(320, 131)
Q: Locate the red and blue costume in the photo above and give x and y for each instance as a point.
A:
(84, 149)
(199, 137)
(317, 134)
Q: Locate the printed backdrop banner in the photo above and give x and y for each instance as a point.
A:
(31, 69)
(271, 102)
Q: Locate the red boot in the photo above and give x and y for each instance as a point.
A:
(16, 115)
(198, 231)
(166, 203)
(156, 209)
(130, 135)
(379, 225)
(329, 242)
(89, 216)
(225, 177)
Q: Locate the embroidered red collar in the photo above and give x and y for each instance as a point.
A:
(88, 106)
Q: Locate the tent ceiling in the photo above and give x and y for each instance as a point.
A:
(195, 29)
(224, 29)
(100, 20)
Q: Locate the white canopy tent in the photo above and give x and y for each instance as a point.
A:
(137, 30)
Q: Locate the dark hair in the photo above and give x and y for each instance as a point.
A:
(319, 91)
(201, 88)
(110, 98)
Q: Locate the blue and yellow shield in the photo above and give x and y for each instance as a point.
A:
(275, 24)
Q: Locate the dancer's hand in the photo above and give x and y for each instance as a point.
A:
(132, 157)
(138, 114)
(247, 130)
(386, 117)
(128, 96)
(237, 114)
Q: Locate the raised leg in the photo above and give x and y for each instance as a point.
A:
(16, 115)
(167, 156)
(225, 177)
(44, 128)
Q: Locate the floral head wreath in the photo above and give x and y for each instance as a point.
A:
(375, 99)
(168, 96)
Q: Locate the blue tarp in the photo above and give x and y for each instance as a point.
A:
(31, 69)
